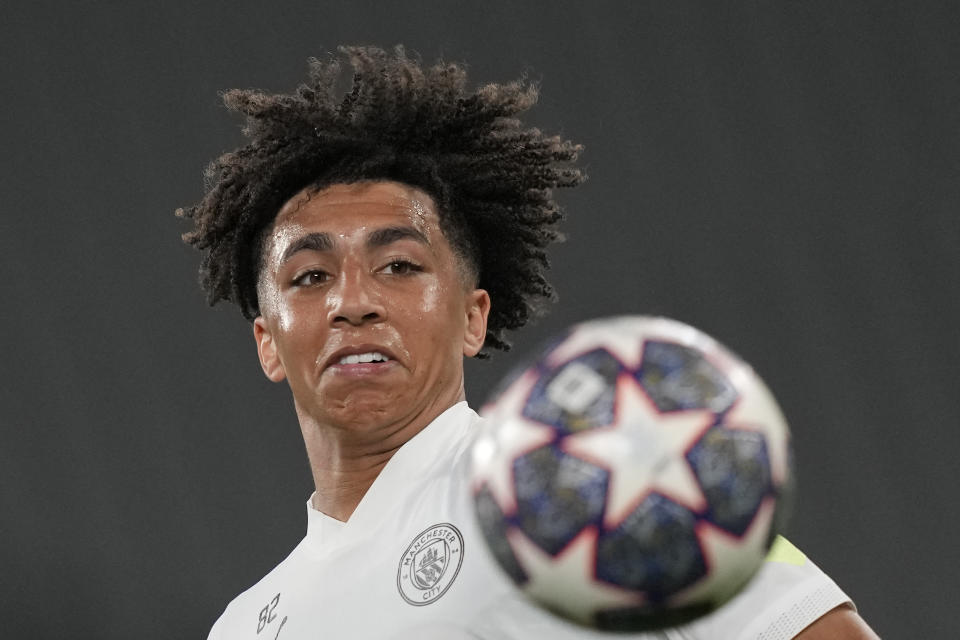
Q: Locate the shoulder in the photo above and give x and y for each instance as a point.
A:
(787, 595)
(467, 425)
(840, 623)
(253, 607)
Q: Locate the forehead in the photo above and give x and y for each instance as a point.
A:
(347, 208)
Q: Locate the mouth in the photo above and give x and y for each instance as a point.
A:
(361, 360)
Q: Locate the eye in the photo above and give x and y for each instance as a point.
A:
(401, 268)
(312, 277)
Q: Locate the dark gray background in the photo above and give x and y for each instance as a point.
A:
(782, 175)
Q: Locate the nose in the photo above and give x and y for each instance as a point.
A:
(355, 300)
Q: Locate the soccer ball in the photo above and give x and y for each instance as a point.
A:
(633, 476)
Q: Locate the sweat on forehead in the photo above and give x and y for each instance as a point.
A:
(373, 213)
(397, 194)
(395, 207)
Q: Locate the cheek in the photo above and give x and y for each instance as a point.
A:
(272, 302)
(302, 330)
(298, 315)
(438, 300)
(440, 315)
(432, 298)
(296, 319)
(285, 319)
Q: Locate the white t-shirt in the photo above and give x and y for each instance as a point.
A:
(411, 563)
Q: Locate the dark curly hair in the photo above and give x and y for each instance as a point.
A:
(490, 177)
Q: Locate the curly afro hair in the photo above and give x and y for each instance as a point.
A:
(490, 177)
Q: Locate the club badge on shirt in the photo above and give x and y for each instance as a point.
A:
(430, 564)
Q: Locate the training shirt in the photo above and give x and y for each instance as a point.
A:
(359, 579)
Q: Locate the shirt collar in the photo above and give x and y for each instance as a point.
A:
(439, 441)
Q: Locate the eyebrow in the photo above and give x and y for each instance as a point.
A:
(315, 241)
(321, 241)
(389, 235)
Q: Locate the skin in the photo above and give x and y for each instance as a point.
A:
(842, 622)
(403, 292)
(379, 275)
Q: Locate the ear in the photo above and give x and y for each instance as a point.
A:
(477, 310)
(267, 350)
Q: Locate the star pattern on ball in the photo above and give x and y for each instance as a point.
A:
(644, 452)
(502, 439)
(754, 408)
(731, 560)
(566, 582)
(596, 336)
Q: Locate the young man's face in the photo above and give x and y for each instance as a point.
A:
(358, 272)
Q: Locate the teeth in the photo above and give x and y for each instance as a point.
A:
(358, 358)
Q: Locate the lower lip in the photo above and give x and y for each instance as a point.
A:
(362, 369)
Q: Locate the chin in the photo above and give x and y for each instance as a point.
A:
(364, 409)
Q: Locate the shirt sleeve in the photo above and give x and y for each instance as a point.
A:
(215, 630)
(787, 595)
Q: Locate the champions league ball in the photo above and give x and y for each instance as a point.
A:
(634, 476)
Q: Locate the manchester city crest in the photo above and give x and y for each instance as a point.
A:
(430, 564)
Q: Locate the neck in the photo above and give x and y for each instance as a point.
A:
(345, 460)
(340, 490)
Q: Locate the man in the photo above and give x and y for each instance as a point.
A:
(374, 241)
